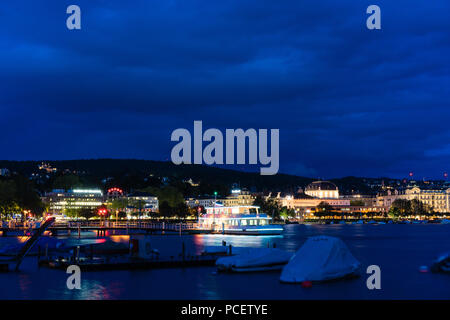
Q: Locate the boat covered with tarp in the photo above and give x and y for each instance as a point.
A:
(321, 258)
(254, 259)
(442, 263)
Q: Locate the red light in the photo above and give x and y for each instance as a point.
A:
(118, 190)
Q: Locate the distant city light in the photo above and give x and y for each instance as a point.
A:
(87, 191)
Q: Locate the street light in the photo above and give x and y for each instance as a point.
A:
(214, 210)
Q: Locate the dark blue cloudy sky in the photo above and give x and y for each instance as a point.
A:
(347, 100)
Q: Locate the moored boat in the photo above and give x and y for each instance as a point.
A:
(238, 220)
(321, 258)
(254, 259)
(442, 263)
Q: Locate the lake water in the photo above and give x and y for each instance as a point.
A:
(399, 250)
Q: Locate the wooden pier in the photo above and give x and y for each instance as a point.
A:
(107, 228)
(130, 263)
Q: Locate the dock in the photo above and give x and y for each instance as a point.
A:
(126, 263)
(104, 229)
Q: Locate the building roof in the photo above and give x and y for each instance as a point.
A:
(302, 196)
(321, 185)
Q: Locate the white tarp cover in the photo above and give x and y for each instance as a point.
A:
(254, 257)
(226, 250)
(215, 250)
(321, 258)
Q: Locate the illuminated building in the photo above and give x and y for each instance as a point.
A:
(327, 192)
(322, 190)
(46, 167)
(238, 197)
(365, 200)
(142, 202)
(304, 203)
(59, 200)
(438, 199)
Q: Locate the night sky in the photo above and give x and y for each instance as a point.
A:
(347, 100)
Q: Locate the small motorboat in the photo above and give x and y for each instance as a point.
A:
(442, 263)
(360, 222)
(215, 250)
(445, 221)
(254, 259)
(321, 258)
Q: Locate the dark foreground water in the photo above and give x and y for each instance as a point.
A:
(399, 250)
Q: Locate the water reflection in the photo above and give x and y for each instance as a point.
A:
(25, 282)
(205, 240)
(398, 249)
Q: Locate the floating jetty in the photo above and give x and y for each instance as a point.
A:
(142, 255)
(126, 263)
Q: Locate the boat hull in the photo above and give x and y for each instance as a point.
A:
(255, 231)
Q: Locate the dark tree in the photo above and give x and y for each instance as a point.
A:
(87, 213)
(165, 210)
(323, 208)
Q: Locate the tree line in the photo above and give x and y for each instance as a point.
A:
(403, 207)
(18, 195)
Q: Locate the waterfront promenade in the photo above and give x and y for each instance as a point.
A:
(103, 227)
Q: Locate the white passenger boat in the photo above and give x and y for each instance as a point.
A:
(240, 220)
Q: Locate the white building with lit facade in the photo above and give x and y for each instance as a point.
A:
(322, 190)
(238, 197)
(142, 202)
(59, 201)
(438, 199)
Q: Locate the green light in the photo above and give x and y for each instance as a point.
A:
(215, 193)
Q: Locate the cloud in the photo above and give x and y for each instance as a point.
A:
(369, 103)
